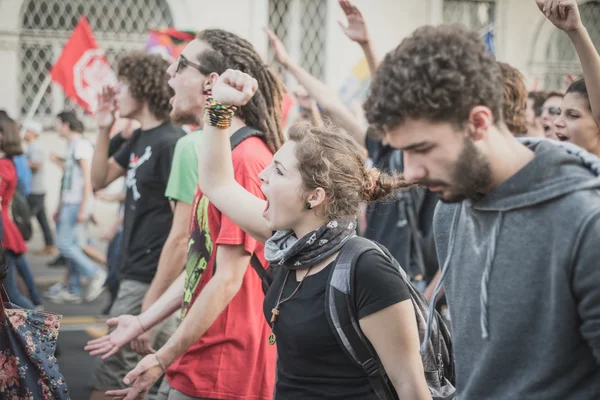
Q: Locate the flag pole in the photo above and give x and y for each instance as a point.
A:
(36, 101)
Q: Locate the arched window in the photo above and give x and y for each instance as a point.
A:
(301, 25)
(47, 24)
(560, 56)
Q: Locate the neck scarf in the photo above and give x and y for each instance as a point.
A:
(285, 249)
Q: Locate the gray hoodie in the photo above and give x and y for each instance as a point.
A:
(522, 267)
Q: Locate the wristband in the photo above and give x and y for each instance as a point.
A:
(217, 114)
(140, 322)
(162, 366)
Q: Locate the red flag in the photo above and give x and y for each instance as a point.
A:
(82, 68)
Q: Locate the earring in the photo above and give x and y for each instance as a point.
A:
(308, 206)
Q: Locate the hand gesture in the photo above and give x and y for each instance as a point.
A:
(234, 88)
(128, 327)
(106, 108)
(142, 344)
(141, 378)
(564, 14)
(356, 30)
(278, 47)
(305, 100)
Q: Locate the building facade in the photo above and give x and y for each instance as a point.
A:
(32, 33)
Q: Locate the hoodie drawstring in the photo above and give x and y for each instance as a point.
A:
(438, 287)
(485, 279)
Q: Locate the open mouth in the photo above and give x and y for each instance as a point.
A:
(561, 137)
(266, 208)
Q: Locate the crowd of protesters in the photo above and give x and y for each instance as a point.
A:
(232, 240)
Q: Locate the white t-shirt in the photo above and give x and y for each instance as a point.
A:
(72, 183)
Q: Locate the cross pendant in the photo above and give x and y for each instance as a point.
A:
(274, 315)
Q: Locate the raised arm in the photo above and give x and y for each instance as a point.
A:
(356, 30)
(564, 14)
(104, 169)
(325, 96)
(215, 168)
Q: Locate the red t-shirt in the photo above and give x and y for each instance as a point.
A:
(13, 240)
(233, 360)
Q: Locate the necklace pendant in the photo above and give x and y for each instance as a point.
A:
(272, 339)
(274, 315)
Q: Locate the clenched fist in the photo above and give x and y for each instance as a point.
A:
(234, 87)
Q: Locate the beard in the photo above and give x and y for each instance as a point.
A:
(187, 117)
(471, 175)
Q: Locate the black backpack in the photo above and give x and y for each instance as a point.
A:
(341, 313)
(21, 214)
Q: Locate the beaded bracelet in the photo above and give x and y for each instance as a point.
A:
(217, 114)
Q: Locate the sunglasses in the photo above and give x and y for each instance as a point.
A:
(183, 62)
(553, 111)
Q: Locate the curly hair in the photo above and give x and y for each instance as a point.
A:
(438, 74)
(263, 111)
(333, 161)
(514, 110)
(148, 81)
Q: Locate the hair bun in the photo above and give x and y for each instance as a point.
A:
(370, 183)
(378, 185)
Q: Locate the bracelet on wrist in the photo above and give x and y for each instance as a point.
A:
(140, 322)
(162, 366)
(217, 114)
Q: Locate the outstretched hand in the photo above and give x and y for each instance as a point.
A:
(234, 87)
(128, 327)
(141, 379)
(281, 54)
(356, 29)
(564, 14)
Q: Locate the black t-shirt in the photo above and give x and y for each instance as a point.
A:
(148, 216)
(115, 144)
(387, 220)
(311, 364)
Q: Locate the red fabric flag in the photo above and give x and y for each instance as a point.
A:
(82, 68)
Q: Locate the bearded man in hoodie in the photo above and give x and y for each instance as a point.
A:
(518, 227)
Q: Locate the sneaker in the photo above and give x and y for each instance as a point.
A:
(39, 307)
(46, 251)
(96, 286)
(52, 290)
(64, 296)
(59, 261)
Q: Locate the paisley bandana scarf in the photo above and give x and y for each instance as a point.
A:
(285, 249)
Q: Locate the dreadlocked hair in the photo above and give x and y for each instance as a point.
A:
(263, 111)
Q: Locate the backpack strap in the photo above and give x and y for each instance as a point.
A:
(341, 313)
(242, 134)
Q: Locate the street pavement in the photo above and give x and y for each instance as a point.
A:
(75, 364)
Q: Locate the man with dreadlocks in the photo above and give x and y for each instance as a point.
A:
(220, 349)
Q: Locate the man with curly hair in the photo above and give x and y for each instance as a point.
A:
(514, 108)
(149, 234)
(517, 227)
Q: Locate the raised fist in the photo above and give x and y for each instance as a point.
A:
(564, 14)
(234, 88)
